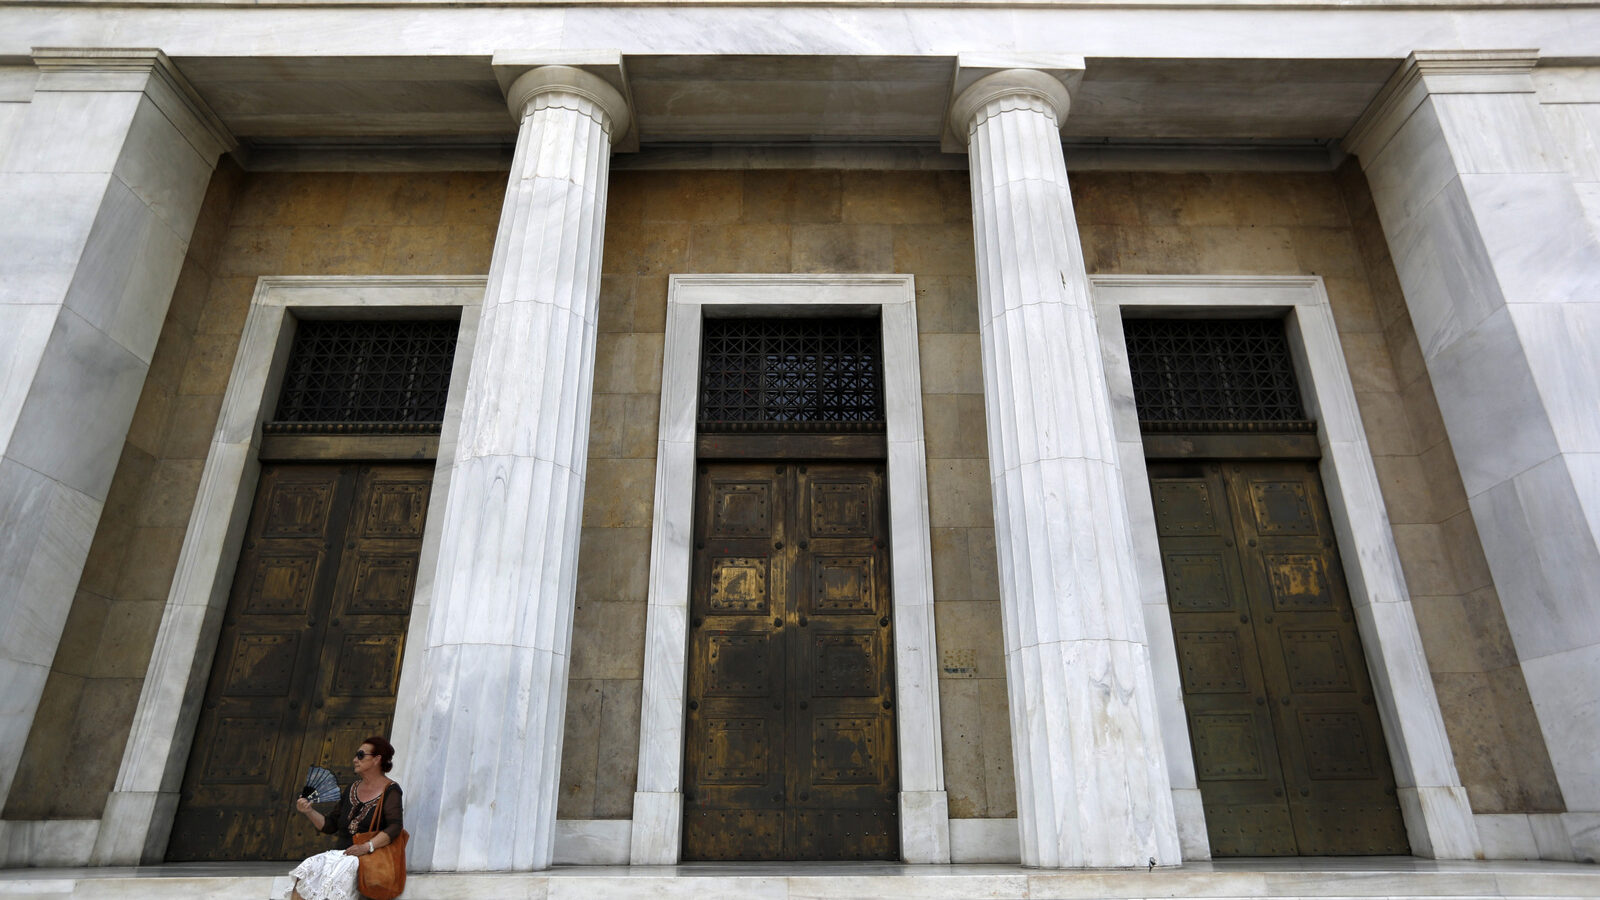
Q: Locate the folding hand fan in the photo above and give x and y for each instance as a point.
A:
(321, 786)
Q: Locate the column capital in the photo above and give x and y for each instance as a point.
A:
(981, 80)
(596, 76)
(137, 69)
(1427, 72)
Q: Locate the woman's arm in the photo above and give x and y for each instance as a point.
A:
(393, 815)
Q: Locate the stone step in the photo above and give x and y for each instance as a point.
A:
(1263, 879)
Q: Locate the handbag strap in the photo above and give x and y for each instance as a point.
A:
(377, 814)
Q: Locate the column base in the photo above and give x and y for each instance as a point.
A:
(925, 827)
(657, 828)
(1439, 823)
(134, 828)
(1583, 835)
(1194, 841)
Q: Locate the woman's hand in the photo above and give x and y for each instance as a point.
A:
(303, 806)
(358, 849)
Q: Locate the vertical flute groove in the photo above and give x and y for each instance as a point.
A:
(500, 628)
(1091, 792)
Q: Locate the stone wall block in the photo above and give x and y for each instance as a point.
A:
(1498, 267)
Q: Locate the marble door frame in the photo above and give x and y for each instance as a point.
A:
(1438, 817)
(658, 802)
(139, 811)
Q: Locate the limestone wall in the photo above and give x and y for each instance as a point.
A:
(661, 222)
(774, 221)
(1315, 224)
(250, 225)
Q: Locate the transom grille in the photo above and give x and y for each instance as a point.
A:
(379, 373)
(1206, 372)
(783, 374)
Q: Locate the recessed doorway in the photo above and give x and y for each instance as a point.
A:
(1288, 749)
(791, 739)
(1289, 754)
(308, 662)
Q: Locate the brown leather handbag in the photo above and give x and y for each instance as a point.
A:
(381, 874)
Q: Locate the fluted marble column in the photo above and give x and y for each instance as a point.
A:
(1092, 786)
(487, 761)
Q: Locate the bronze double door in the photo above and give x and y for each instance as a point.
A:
(1288, 749)
(790, 745)
(309, 656)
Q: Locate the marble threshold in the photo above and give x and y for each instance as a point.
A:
(1269, 879)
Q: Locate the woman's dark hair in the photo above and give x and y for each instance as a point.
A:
(383, 749)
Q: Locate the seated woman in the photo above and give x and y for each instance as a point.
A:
(371, 804)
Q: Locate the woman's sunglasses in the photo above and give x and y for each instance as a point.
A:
(362, 754)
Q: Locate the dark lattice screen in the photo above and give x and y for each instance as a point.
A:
(380, 372)
(1212, 370)
(791, 371)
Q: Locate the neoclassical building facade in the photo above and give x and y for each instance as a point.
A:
(1078, 435)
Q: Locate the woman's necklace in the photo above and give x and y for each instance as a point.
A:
(359, 783)
(359, 809)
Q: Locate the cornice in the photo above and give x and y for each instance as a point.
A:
(142, 69)
(1437, 72)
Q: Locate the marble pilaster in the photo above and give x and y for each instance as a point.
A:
(1092, 785)
(1501, 277)
(494, 687)
(100, 186)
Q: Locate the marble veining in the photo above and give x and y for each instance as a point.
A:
(1078, 672)
(99, 192)
(1493, 266)
(492, 696)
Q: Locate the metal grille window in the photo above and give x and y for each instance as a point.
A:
(381, 374)
(806, 374)
(1203, 372)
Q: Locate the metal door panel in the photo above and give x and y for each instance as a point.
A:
(309, 654)
(1288, 749)
(790, 739)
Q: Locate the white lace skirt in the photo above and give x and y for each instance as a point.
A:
(326, 876)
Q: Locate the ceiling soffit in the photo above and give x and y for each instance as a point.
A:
(457, 101)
